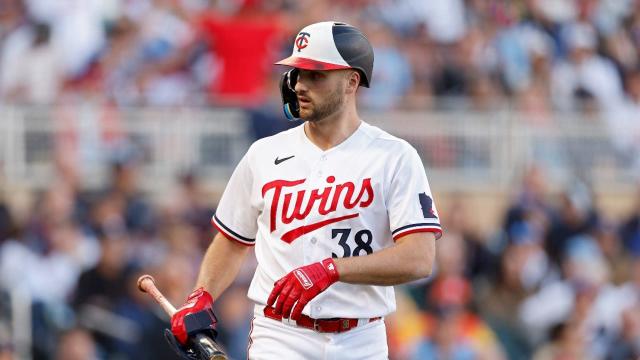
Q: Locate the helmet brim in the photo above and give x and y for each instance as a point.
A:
(309, 64)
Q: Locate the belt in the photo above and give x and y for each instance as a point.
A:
(333, 325)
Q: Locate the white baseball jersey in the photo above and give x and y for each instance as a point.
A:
(299, 204)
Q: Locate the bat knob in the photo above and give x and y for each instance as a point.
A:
(141, 280)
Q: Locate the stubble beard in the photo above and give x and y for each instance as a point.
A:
(328, 107)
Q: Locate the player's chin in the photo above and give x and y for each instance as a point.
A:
(306, 114)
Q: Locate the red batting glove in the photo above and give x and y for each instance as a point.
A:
(301, 285)
(198, 300)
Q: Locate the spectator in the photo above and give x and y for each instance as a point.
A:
(392, 69)
(566, 341)
(6, 346)
(241, 80)
(500, 302)
(12, 15)
(139, 216)
(447, 341)
(584, 297)
(622, 123)
(610, 244)
(480, 259)
(530, 202)
(122, 62)
(630, 290)
(627, 344)
(190, 205)
(576, 216)
(76, 344)
(7, 226)
(445, 22)
(76, 30)
(54, 248)
(585, 69)
(102, 284)
(619, 47)
(630, 229)
(17, 38)
(455, 332)
(37, 79)
(167, 43)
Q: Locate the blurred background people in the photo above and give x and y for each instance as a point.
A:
(537, 268)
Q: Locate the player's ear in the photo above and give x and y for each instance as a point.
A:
(353, 81)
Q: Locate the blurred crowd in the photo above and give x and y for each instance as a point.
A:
(545, 54)
(557, 279)
(542, 57)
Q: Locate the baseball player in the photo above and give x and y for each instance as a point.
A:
(338, 210)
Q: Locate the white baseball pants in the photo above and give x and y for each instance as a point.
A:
(272, 339)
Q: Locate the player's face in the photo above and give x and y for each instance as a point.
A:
(320, 93)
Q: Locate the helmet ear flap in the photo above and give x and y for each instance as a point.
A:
(288, 92)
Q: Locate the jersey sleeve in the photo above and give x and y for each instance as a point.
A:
(410, 203)
(235, 217)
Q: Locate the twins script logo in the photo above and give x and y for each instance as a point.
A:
(289, 204)
(302, 40)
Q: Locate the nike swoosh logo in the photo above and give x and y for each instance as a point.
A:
(278, 161)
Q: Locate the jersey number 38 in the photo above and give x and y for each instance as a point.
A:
(362, 239)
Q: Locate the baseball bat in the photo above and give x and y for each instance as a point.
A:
(205, 346)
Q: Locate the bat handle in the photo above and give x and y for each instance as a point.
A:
(208, 348)
(204, 345)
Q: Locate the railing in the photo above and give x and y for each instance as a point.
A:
(165, 142)
(461, 150)
(482, 151)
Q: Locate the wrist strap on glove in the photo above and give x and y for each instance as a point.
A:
(330, 267)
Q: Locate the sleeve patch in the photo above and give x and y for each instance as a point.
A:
(426, 203)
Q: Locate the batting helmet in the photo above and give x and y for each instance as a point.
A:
(330, 46)
(325, 45)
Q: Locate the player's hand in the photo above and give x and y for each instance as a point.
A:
(197, 301)
(300, 286)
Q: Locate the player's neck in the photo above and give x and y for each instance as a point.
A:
(333, 130)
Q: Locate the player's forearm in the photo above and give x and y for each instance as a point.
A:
(411, 258)
(221, 265)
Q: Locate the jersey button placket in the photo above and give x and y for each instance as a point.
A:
(315, 181)
(313, 248)
(306, 246)
(314, 309)
(323, 159)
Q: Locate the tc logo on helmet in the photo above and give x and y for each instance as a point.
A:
(302, 41)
